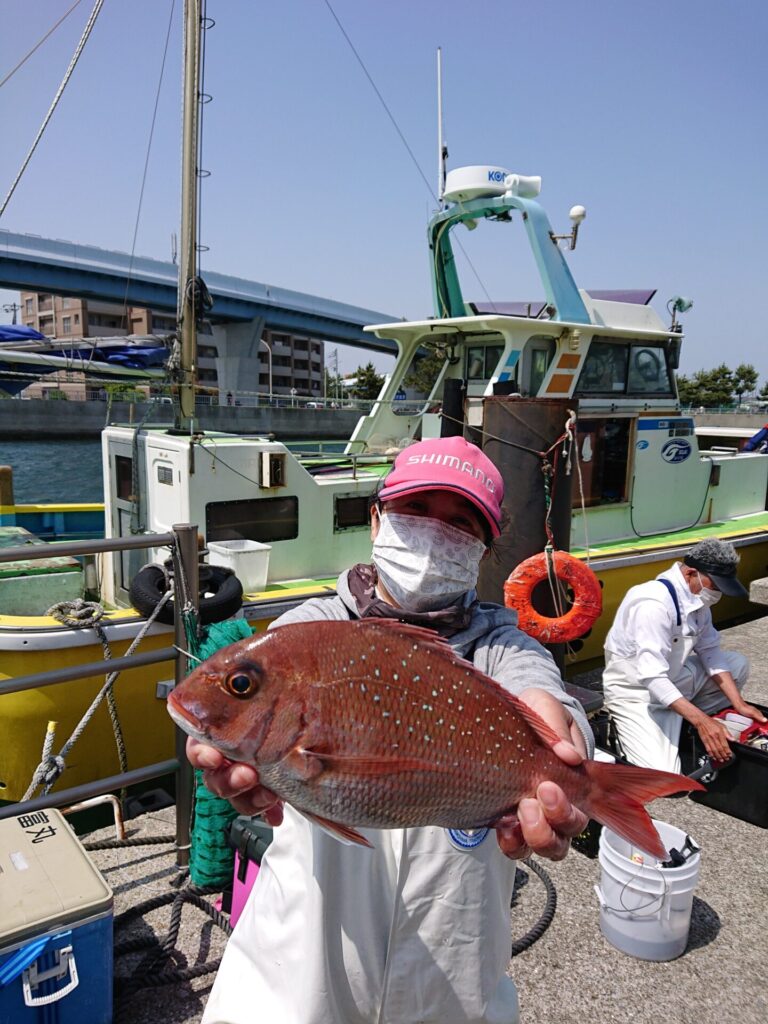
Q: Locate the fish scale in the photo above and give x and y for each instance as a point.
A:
(379, 724)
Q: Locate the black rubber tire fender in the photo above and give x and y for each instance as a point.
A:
(222, 599)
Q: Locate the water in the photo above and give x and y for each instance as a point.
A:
(54, 471)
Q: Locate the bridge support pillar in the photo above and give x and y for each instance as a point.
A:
(239, 360)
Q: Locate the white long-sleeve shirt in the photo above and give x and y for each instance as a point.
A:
(645, 631)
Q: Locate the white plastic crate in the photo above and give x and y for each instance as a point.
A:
(248, 559)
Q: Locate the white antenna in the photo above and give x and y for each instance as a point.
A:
(442, 151)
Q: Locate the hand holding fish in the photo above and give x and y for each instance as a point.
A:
(236, 782)
(545, 825)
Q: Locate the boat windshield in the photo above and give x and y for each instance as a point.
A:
(617, 368)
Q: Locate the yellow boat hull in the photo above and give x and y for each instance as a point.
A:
(617, 575)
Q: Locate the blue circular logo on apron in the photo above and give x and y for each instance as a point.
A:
(467, 838)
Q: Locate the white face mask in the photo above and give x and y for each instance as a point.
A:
(707, 596)
(425, 564)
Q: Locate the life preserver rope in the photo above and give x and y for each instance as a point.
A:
(587, 596)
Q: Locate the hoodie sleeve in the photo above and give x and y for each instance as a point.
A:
(518, 662)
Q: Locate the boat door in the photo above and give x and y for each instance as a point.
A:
(671, 484)
(123, 487)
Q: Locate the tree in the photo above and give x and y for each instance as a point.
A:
(718, 386)
(744, 380)
(688, 391)
(368, 383)
(333, 384)
(424, 371)
(709, 388)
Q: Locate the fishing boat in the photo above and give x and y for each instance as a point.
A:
(288, 524)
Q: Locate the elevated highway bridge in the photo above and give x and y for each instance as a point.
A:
(33, 263)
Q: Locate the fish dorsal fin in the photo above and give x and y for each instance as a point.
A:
(545, 732)
(429, 639)
(419, 634)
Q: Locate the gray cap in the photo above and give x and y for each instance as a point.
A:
(718, 559)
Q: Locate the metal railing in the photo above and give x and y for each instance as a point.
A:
(183, 543)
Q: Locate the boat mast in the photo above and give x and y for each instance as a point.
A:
(442, 152)
(187, 314)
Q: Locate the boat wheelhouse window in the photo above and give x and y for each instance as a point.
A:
(539, 366)
(648, 370)
(603, 448)
(262, 519)
(537, 355)
(350, 511)
(482, 361)
(419, 379)
(604, 370)
(123, 477)
(618, 368)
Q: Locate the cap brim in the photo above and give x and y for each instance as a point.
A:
(413, 487)
(728, 585)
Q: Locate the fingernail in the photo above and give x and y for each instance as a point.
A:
(548, 798)
(528, 812)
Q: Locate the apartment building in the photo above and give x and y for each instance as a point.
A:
(230, 359)
(62, 316)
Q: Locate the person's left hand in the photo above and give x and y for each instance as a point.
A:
(750, 711)
(546, 823)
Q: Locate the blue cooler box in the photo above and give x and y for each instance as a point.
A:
(55, 926)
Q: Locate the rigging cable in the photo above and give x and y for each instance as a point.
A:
(37, 45)
(68, 74)
(146, 167)
(403, 139)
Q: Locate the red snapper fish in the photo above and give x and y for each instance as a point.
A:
(378, 724)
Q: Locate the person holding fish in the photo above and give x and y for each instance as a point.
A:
(664, 663)
(410, 742)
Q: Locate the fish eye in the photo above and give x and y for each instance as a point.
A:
(241, 685)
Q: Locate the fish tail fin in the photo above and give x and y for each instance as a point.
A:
(618, 796)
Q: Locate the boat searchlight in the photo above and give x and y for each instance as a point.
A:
(678, 304)
(577, 215)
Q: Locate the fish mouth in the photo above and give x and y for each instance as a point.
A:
(189, 723)
(186, 721)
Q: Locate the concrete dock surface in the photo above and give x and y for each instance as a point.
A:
(571, 974)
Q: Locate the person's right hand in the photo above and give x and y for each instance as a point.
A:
(714, 736)
(238, 783)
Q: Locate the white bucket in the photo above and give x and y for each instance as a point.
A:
(248, 559)
(645, 909)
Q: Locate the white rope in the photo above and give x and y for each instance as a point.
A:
(68, 74)
(554, 587)
(570, 429)
(52, 766)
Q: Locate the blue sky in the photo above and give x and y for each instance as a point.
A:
(651, 115)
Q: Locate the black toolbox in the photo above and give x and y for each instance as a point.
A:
(741, 788)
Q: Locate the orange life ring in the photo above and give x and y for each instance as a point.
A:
(581, 616)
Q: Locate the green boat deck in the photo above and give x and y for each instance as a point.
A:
(751, 525)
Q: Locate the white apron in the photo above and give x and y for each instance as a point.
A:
(649, 733)
(415, 931)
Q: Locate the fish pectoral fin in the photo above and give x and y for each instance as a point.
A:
(304, 764)
(367, 764)
(344, 833)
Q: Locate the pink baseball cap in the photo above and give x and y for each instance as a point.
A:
(448, 464)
